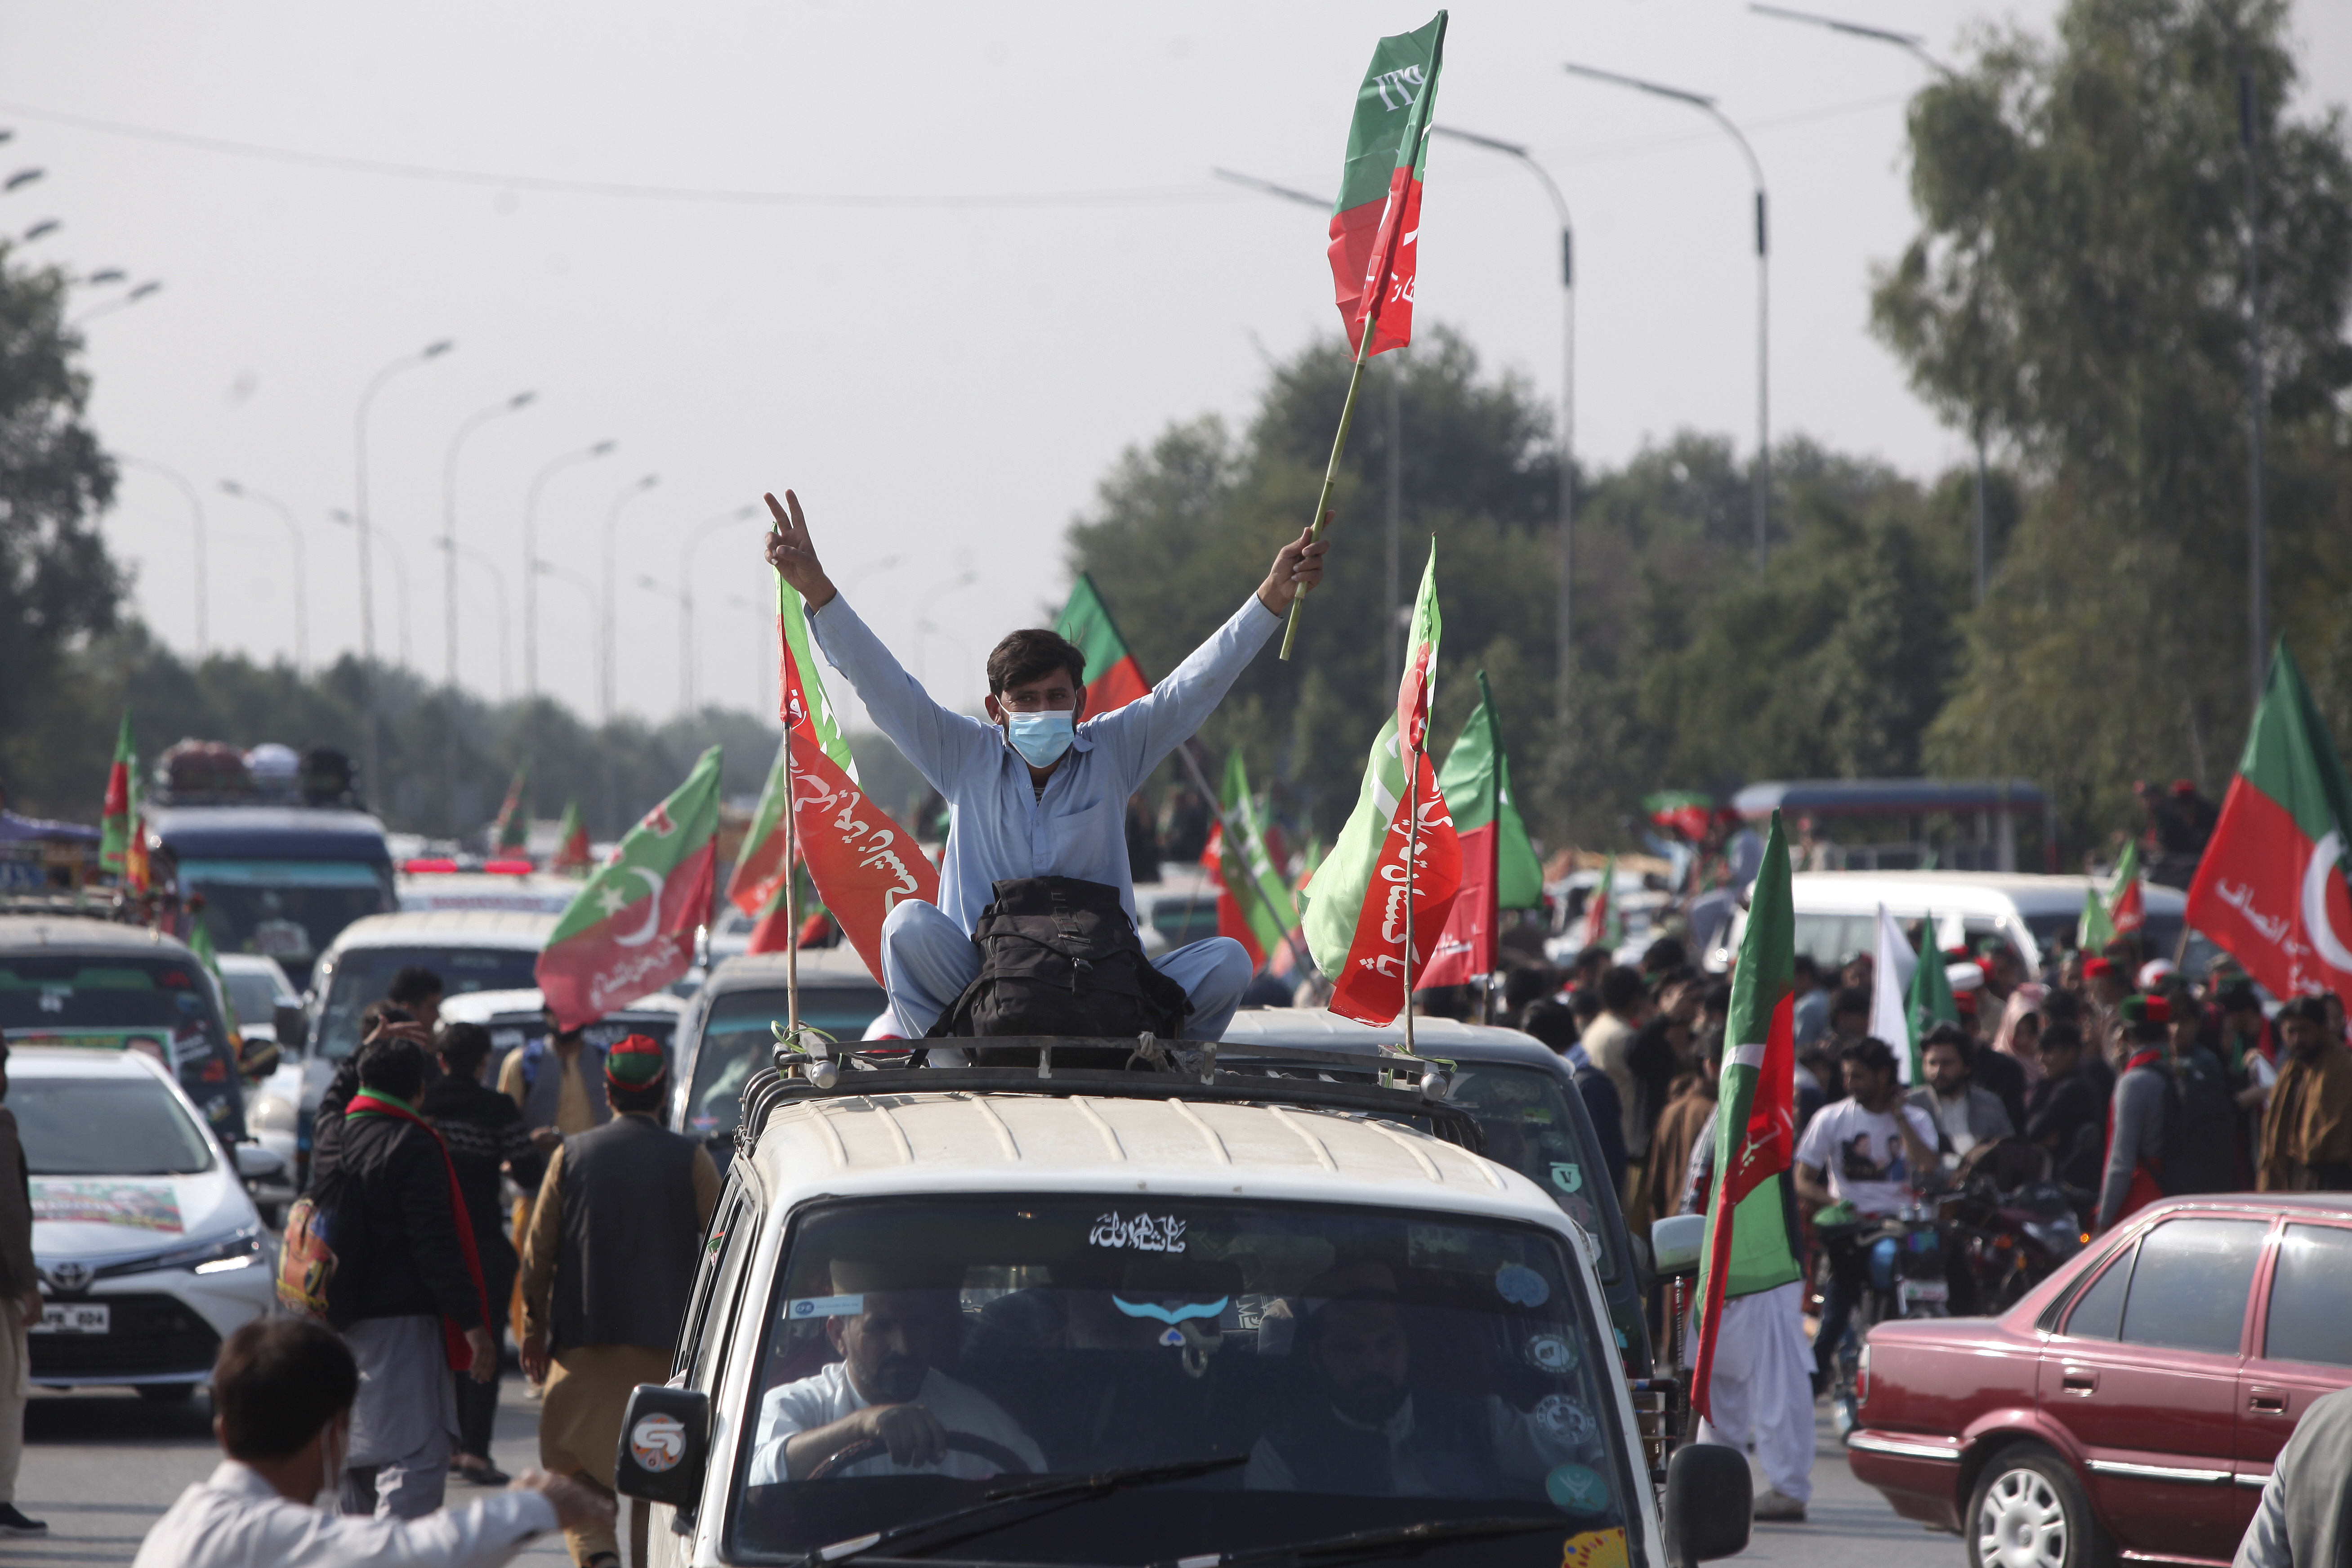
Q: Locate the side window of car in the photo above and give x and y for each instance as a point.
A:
(723, 1218)
(2189, 1289)
(2098, 1311)
(2309, 1288)
(733, 1251)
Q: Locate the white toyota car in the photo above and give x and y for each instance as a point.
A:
(148, 1244)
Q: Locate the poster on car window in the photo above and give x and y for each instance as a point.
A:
(136, 1206)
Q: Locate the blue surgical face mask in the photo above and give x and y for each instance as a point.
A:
(1041, 738)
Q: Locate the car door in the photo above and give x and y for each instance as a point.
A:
(2302, 1348)
(2144, 1375)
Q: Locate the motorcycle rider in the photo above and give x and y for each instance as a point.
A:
(1864, 1154)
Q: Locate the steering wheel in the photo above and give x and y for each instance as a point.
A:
(1006, 1461)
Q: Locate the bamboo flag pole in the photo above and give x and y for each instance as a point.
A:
(1331, 469)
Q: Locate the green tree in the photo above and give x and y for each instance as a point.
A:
(2077, 290)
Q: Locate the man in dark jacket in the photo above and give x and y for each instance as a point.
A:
(2063, 1104)
(606, 1269)
(482, 1130)
(1556, 1025)
(405, 1264)
(20, 1308)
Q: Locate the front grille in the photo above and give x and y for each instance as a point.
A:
(150, 1335)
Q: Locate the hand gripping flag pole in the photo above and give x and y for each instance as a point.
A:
(1376, 223)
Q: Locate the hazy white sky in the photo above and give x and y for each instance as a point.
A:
(943, 378)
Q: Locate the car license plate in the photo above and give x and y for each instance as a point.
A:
(1926, 1290)
(73, 1318)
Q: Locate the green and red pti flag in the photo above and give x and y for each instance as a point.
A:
(1748, 1249)
(1376, 223)
(572, 852)
(861, 862)
(1355, 919)
(1681, 812)
(1605, 920)
(512, 832)
(1113, 678)
(1930, 1002)
(630, 929)
(2271, 890)
(1260, 917)
(1499, 868)
(121, 780)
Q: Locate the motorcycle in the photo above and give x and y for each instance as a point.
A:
(2013, 1226)
(1902, 1257)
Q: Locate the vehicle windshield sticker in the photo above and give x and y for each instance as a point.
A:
(1566, 1177)
(1173, 1338)
(657, 1443)
(1567, 1419)
(1539, 1115)
(826, 1306)
(1577, 1489)
(1518, 1282)
(1594, 1549)
(1141, 1234)
(140, 1205)
(1170, 1316)
(1549, 1352)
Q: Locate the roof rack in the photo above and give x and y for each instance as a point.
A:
(80, 904)
(1409, 1089)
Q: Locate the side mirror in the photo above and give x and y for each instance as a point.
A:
(258, 1060)
(293, 1024)
(1677, 1243)
(256, 1163)
(666, 1446)
(1710, 1504)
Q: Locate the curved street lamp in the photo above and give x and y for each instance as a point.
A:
(608, 682)
(197, 517)
(473, 422)
(424, 355)
(531, 573)
(498, 588)
(301, 571)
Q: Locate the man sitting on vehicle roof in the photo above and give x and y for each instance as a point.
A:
(1031, 791)
(893, 1323)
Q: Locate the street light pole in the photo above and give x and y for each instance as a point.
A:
(531, 573)
(1762, 504)
(1565, 653)
(685, 660)
(682, 598)
(197, 516)
(498, 582)
(393, 553)
(301, 571)
(607, 675)
(2257, 394)
(473, 422)
(587, 591)
(367, 576)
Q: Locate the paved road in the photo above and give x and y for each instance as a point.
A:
(101, 1466)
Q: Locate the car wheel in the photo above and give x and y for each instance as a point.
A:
(2029, 1511)
(167, 1393)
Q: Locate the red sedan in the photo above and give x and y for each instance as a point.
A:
(2132, 1403)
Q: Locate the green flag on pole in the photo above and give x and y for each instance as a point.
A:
(1931, 996)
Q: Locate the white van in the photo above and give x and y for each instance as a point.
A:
(1837, 912)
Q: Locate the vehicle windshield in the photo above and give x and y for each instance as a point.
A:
(736, 1042)
(1529, 1126)
(285, 910)
(159, 1005)
(361, 974)
(253, 997)
(1376, 1368)
(105, 1127)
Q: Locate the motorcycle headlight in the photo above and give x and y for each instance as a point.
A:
(272, 1113)
(218, 1256)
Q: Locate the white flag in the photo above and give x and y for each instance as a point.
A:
(1890, 992)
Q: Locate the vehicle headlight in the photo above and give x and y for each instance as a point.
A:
(272, 1113)
(218, 1256)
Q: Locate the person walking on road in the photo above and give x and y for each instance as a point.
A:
(606, 1269)
(282, 1391)
(557, 1080)
(2307, 1131)
(414, 1285)
(20, 1308)
(2133, 1174)
(484, 1131)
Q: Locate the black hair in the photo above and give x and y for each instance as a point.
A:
(2062, 1006)
(1718, 998)
(1529, 983)
(1621, 987)
(1951, 1035)
(1850, 999)
(1808, 967)
(463, 1049)
(1552, 1023)
(1585, 1003)
(647, 1099)
(2241, 998)
(412, 984)
(1666, 952)
(2310, 1010)
(277, 1384)
(1028, 655)
(2062, 1037)
(395, 1066)
(1871, 1052)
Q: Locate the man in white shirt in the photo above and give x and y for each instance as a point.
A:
(282, 1392)
(1868, 1151)
(892, 1330)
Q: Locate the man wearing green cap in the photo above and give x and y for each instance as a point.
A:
(606, 1267)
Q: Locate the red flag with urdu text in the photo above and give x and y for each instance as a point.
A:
(1376, 223)
(2271, 890)
(630, 930)
(1499, 868)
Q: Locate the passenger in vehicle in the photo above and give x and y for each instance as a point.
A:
(1366, 1430)
(892, 1326)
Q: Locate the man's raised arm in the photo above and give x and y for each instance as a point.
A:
(1144, 732)
(937, 739)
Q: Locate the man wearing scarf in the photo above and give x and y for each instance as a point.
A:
(607, 1266)
(411, 1283)
(2134, 1167)
(2308, 1132)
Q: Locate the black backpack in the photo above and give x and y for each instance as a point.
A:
(1059, 956)
(2201, 1133)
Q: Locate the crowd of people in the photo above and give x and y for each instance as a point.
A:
(395, 1393)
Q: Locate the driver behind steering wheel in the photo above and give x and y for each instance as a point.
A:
(893, 1324)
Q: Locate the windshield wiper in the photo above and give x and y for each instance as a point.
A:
(1372, 1542)
(1069, 1490)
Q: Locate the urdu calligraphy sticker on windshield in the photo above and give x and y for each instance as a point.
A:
(1518, 1282)
(1143, 1232)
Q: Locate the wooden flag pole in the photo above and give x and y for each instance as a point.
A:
(1331, 469)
